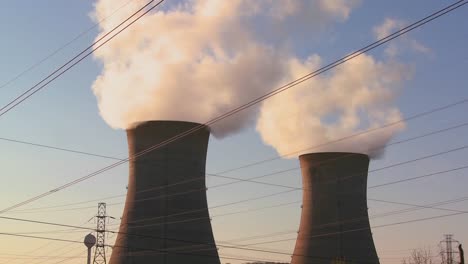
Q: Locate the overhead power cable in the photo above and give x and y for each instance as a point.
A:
(429, 206)
(292, 188)
(53, 256)
(413, 117)
(39, 210)
(366, 228)
(241, 248)
(19, 256)
(41, 247)
(71, 248)
(80, 35)
(58, 148)
(168, 223)
(252, 179)
(411, 209)
(414, 207)
(300, 188)
(238, 180)
(420, 205)
(378, 148)
(80, 56)
(261, 197)
(198, 210)
(162, 251)
(419, 177)
(328, 67)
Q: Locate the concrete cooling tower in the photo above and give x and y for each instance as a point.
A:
(334, 225)
(166, 219)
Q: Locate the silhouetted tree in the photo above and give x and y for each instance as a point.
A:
(420, 256)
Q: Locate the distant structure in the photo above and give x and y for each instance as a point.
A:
(334, 225)
(448, 253)
(166, 219)
(100, 251)
(462, 254)
(89, 241)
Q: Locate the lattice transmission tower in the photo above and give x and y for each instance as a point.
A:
(448, 253)
(100, 251)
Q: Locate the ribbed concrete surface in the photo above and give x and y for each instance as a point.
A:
(166, 206)
(334, 222)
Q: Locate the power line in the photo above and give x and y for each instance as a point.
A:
(10, 256)
(58, 255)
(361, 229)
(93, 47)
(209, 174)
(181, 182)
(147, 236)
(419, 207)
(331, 160)
(66, 205)
(80, 35)
(419, 177)
(424, 206)
(414, 207)
(285, 186)
(353, 55)
(214, 216)
(57, 148)
(112, 197)
(419, 115)
(153, 250)
(221, 176)
(300, 188)
(328, 67)
(84, 228)
(261, 197)
(243, 248)
(237, 180)
(46, 245)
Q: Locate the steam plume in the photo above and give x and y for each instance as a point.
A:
(357, 96)
(200, 59)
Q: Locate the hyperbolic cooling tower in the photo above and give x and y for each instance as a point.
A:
(166, 219)
(334, 224)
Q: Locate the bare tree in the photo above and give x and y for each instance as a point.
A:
(420, 256)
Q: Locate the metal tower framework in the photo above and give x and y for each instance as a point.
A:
(449, 252)
(100, 252)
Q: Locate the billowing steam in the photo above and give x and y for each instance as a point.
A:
(199, 59)
(334, 111)
(357, 96)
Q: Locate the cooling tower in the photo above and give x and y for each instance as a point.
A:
(166, 217)
(334, 224)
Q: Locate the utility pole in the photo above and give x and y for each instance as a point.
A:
(449, 241)
(100, 251)
(462, 254)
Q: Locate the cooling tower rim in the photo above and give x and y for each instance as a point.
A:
(140, 123)
(334, 153)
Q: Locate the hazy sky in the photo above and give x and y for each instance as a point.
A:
(66, 115)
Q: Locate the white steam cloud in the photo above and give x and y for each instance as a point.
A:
(396, 47)
(202, 58)
(357, 96)
(198, 60)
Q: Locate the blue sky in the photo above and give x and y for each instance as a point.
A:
(65, 114)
